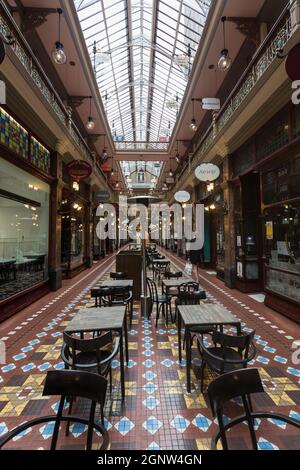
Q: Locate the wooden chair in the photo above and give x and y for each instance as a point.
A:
(228, 353)
(239, 384)
(66, 383)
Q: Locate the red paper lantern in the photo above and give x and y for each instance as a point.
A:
(112, 179)
(79, 170)
(292, 63)
(106, 167)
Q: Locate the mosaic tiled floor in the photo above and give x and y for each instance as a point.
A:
(158, 413)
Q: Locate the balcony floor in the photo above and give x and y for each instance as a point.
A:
(158, 413)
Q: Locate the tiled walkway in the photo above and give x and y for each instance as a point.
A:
(158, 413)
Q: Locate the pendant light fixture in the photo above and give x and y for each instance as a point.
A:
(58, 53)
(193, 125)
(90, 125)
(225, 61)
(104, 155)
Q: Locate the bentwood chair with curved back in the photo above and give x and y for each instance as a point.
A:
(66, 383)
(161, 302)
(92, 355)
(227, 354)
(189, 293)
(239, 384)
(119, 296)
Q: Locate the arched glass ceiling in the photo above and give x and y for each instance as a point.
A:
(144, 54)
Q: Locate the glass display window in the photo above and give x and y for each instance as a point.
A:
(24, 230)
(73, 235)
(282, 183)
(282, 246)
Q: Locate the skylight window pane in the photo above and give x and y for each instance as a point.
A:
(123, 31)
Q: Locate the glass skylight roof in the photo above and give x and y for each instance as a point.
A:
(142, 52)
(141, 175)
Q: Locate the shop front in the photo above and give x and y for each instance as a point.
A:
(266, 189)
(76, 226)
(25, 187)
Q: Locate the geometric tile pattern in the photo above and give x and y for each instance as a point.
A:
(158, 413)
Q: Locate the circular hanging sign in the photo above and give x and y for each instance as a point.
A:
(207, 172)
(182, 196)
(292, 63)
(79, 170)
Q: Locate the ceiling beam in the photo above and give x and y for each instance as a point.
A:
(141, 158)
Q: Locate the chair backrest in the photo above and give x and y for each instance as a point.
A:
(238, 384)
(76, 384)
(120, 294)
(189, 294)
(240, 342)
(87, 345)
(119, 276)
(188, 287)
(173, 275)
(100, 291)
(152, 289)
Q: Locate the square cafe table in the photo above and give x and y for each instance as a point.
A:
(111, 283)
(168, 284)
(117, 283)
(201, 315)
(89, 320)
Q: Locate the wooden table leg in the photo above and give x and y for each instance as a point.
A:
(122, 365)
(188, 359)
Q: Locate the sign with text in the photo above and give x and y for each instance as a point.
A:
(207, 172)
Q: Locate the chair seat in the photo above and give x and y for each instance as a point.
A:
(215, 364)
(164, 298)
(173, 291)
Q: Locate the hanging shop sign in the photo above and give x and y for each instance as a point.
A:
(79, 170)
(182, 196)
(207, 172)
(170, 180)
(292, 63)
(101, 196)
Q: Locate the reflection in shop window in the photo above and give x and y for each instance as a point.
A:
(283, 250)
(24, 216)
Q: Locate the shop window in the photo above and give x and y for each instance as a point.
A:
(282, 242)
(220, 237)
(283, 183)
(243, 159)
(296, 121)
(273, 135)
(73, 241)
(24, 215)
